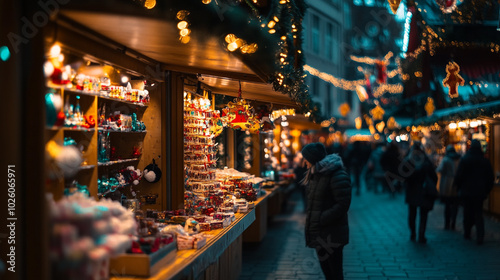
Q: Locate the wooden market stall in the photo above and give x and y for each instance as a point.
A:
(144, 45)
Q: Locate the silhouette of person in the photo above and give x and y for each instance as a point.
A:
(418, 169)
(299, 170)
(474, 179)
(354, 161)
(447, 189)
(390, 161)
(328, 200)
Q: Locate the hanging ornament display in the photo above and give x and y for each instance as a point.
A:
(447, 6)
(394, 4)
(264, 117)
(380, 126)
(344, 109)
(239, 115)
(391, 123)
(429, 106)
(453, 79)
(377, 113)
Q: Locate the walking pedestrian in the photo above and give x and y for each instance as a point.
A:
(420, 182)
(474, 181)
(354, 164)
(446, 186)
(328, 200)
(390, 161)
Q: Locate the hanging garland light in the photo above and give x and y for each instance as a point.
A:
(182, 25)
(447, 6)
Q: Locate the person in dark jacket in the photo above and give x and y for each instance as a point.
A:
(418, 171)
(447, 188)
(328, 200)
(474, 179)
(390, 161)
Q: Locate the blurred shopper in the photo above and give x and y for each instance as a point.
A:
(299, 169)
(390, 162)
(328, 200)
(375, 173)
(474, 181)
(420, 183)
(447, 189)
(354, 163)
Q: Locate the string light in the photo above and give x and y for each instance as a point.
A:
(340, 83)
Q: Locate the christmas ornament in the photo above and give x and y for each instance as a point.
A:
(381, 71)
(391, 123)
(152, 173)
(377, 113)
(358, 122)
(453, 79)
(361, 92)
(394, 4)
(429, 106)
(447, 6)
(239, 115)
(344, 109)
(380, 126)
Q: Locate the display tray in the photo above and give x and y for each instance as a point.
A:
(142, 265)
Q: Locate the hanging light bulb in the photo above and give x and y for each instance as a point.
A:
(149, 4)
(182, 24)
(232, 47)
(55, 50)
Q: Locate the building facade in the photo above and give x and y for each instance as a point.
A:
(324, 28)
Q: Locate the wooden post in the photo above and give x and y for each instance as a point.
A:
(175, 140)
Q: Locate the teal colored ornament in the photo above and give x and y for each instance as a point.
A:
(50, 110)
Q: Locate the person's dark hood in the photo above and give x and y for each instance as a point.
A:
(329, 164)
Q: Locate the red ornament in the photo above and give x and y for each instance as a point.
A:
(381, 71)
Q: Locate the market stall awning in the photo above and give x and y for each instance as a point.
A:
(154, 34)
(486, 109)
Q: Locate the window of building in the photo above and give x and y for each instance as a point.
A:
(328, 42)
(315, 34)
(336, 39)
(315, 86)
(329, 104)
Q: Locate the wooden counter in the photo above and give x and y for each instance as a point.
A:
(220, 258)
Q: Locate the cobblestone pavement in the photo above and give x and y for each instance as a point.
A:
(379, 248)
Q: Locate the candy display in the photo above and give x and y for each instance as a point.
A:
(85, 234)
(199, 156)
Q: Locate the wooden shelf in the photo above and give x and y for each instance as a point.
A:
(91, 93)
(113, 162)
(123, 101)
(119, 131)
(64, 128)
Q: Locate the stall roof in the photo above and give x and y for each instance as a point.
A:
(154, 35)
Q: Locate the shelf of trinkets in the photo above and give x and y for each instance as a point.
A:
(134, 98)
